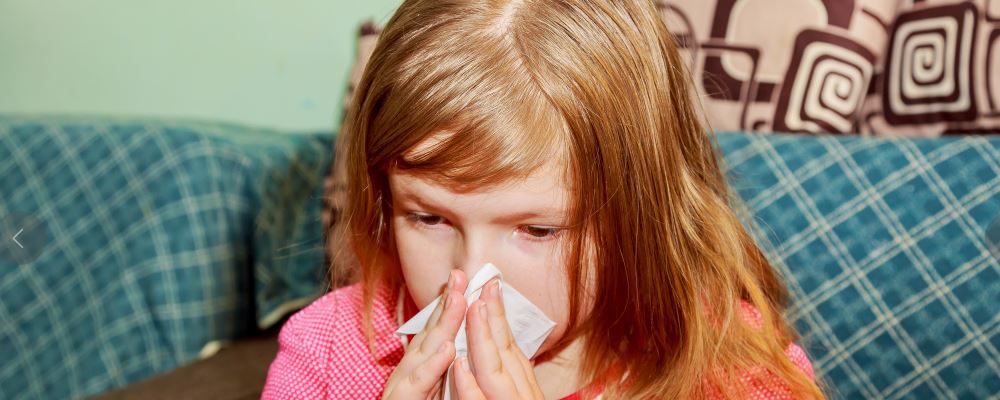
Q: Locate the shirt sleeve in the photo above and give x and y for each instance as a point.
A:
(299, 369)
(799, 358)
(764, 385)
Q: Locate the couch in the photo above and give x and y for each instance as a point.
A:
(154, 244)
(171, 239)
(160, 242)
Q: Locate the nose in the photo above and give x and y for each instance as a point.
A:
(474, 250)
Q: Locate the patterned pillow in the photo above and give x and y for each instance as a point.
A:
(808, 72)
(876, 67)
(783, 65)
(940, 72)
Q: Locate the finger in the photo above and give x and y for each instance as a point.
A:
(421, 381)
(436, 394)
(497, 313)
(465, 382)
(447, 325)
(461, 281)
(514, 360)
(431, 338)
(487, 366)
(435, 318)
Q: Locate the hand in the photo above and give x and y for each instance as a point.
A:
(499, 370)
(420, 372)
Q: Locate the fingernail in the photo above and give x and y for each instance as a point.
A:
(465, 363)
(451, 279)
(495, 289)
(447, 299)
(482, 310)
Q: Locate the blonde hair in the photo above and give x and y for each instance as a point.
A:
(600, 86)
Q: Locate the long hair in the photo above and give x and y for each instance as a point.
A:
(600, 86)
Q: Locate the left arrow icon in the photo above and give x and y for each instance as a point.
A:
(22, 239)
(14, 238)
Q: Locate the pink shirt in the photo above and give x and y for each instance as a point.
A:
(323, 353)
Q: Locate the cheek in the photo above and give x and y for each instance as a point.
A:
(550, 292)
(542, 280)
(424, 263)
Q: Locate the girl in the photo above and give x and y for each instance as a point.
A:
(558, 140)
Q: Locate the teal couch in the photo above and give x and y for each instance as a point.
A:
(167, 238)
(158, 243)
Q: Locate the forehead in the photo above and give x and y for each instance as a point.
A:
(542, 193)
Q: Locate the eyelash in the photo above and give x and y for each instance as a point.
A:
(420, 220)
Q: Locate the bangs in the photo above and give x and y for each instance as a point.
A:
(485, 149)
(468, 115)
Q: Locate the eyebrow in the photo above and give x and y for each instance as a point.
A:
(546, 212)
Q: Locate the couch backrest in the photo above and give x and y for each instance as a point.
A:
(879, 67)
(876, 67)
(884, 248)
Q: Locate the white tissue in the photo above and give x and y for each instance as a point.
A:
(528, 323)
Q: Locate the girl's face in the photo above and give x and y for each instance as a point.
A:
(519, 227)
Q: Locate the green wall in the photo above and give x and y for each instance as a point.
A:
(281, 64)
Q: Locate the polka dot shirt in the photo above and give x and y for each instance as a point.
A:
(323, 353)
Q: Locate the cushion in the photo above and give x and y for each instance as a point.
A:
(939, 74)
(805, 68)
(883, 245)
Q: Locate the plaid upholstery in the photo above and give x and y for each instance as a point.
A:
(164, 236)
(883, 246)
(170, 235)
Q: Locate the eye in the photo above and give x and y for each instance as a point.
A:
(540, 233)
(424, 220)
